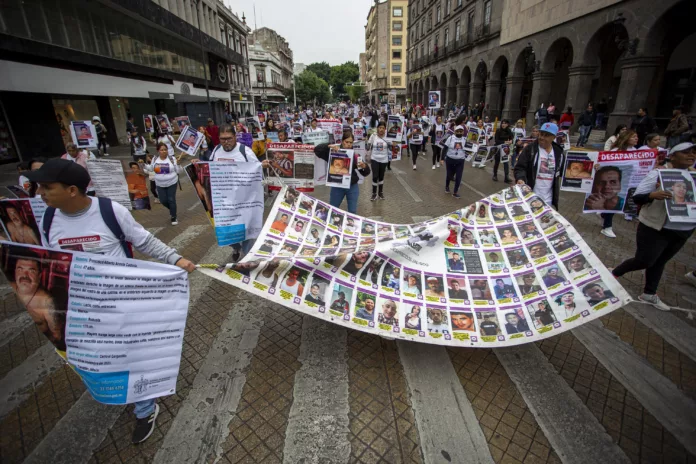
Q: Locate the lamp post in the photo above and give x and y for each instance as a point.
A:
(294, 92)
(200, 41)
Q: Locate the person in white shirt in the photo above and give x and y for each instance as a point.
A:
(454, 155)
(415, 140)
(167, 170)
(80, 157)
(379, 153)
(436, 134)
(78, 221)
(168, 140)
(540, 165)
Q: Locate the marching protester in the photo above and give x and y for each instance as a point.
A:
(166, 171)
(567, 119)
(676, 127)
(609, 144)
(73, 217)
(658, 239)
(454, 155)
(540, 165)
(101, 134)
(138, 146)
(437, 131)
(415, 141)
(359, 170)
(379, 153)
(214, 133)
(166, 139)
(585, 123)
(80, 157)
(502, 136)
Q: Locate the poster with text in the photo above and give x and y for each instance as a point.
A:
(680, 183)
(91, 309)
(21, 219)
(505, 270)
(394, 129)
(434, 99)
(315, 138)
(182, 122)
(163, 124)
(292, 164)
(109, 180)
(340, 168)
(189, 140)
(147, 124)
(254, 127)
(83, 134)
(577, 175)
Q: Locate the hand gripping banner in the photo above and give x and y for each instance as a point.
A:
(503, 271)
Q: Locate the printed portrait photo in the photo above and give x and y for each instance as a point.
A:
(541, 313)
(365, 305)
(462, 321)
(411, 284)
(438, 321)
(387, 312)
(515, 322)
(412, 316)
(488, 323)
(341, 297)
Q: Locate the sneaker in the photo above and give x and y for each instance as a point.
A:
(175, 222)
(447, 191)
(691, 278)
(144, 427)
(414, 168)
(381, 196)
(655, 301)
(434, 167)
(373, 197)
(608, 232)
(157, 200)
(495, 178)
(456, 195)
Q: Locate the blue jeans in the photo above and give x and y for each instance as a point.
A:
(584, 135)
(144, 408)
(608, 220)
(599, 123)
(167, 196)
(351, 195)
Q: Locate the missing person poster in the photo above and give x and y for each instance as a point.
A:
(680, 183)
(577, 175)
(182, 122)
(394, 129)
(340, 168)
(434, 99)
(189, 140)
(147, 124)
(83, 134)
(333, 127)
(232, 196)
(254, 127)
(292, 164)
(163, 124)
(315, 138)
(503, 271)
(90, 307)
(563, 139)
(615, 176)
(109, 180)
(21, 218)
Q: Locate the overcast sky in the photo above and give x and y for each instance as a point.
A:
(317, 30)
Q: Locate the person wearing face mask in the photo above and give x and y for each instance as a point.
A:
(454, 155)
(502, 136)
(540, 165)
(658, 239)
(436, 133)
(360, 170)
(379, 153)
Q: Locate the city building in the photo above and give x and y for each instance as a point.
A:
(272, 60)
(236, 34)
(362, 65)
(515, 55)
(385, 50)
(71, 60)
(299, 68)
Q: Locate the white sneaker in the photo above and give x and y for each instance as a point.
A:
(438, 165)
(608, 232)
(175, 222)
(414, 168)
(434, 167)
(691, 278)
(655, 301)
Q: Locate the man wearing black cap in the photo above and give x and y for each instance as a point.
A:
(76, 221)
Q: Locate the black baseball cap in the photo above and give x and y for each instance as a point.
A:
(61, 170)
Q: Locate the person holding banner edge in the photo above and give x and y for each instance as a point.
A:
(455, 156)
(502, 136)
(658, 239)
(540, 165)
(72, 215)
(379, 153)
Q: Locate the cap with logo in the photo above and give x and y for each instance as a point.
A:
(684, 146)
(549, 127)
(60, 170)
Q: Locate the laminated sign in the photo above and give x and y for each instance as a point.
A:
(503, 271)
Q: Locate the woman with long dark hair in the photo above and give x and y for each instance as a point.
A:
(166, 169)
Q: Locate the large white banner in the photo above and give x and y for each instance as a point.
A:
(505, 270)
(109, 180)
(119, 322)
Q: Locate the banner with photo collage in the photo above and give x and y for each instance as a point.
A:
(503, 271)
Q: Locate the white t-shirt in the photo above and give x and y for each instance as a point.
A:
(89, 233)
(166, 171)
(380, 149)
(546, 170)
(219, 154)
(167, 140)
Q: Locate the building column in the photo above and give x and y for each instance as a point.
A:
(475, 91)
(579, 86)
(493, 98)
(637, 74)
(462, 94)
(452, 93)
(541, 92)
(513, 93)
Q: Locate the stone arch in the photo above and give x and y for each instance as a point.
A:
(421, 87)
(558, 59)
(477, 87)
(602, 52)
(443, 89)
(498, 86)
(522, 84)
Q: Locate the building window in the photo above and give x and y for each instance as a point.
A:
(260, 76)
(422, 50)
(396, 54)
(422, 29)
(396, 67)
(459, 3)
(470, 26)
(437, 15)
(397, 26)
(487, 13)
(447, 6)
(446, 36)
(396, 81)
(396, 40)
(430, 20)
(397, 12)
(457, 30)
(429, 49)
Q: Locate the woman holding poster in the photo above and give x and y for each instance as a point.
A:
(379, 154)
(658, 238)
(166, 169)
(359, 170)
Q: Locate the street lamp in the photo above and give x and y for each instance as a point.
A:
(200, 41)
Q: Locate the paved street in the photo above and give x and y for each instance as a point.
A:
(261, 383)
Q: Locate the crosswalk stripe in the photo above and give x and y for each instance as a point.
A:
(187, 236)
(318, 423)
(202, 423)
(680, 335)
(17, 385)
(447, 425)
(408, 188)
(656, 393)
(154, 230)
(560, 413)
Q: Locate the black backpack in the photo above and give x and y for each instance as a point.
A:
(107, 213)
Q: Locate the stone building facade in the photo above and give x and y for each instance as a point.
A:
(516, 54)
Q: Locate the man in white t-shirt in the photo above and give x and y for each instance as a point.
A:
(540, 165)
(78, 225)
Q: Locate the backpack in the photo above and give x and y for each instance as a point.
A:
(107, 213)
(242, 150)
(543, 113)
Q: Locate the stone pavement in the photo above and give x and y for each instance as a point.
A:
(261, 383)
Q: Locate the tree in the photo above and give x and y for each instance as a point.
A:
(310, 88)
(322, 70)
(355, 92)
(342, 75)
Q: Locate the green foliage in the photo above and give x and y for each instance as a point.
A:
(311, 88)
(355, 92)
(337, 76)
(322, 70)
